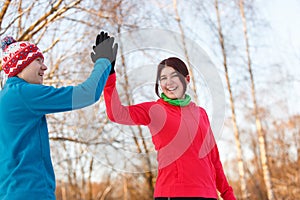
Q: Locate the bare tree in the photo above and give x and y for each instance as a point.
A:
(260, 131)
(284, 161)
(23, 29)
(142, 146)
(186, 53)
(232, 106)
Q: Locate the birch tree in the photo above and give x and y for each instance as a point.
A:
(260, 131)
(186, 53)
(141, 145)
(232, 106)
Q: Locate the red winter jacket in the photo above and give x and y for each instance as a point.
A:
(188, 159)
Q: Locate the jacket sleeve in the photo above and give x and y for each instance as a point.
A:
(221, 181)
(129, 115)
(222, 184)
(41, 99)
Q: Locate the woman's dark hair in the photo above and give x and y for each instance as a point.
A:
(176, 64)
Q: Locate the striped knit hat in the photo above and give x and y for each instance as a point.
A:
(17, 55)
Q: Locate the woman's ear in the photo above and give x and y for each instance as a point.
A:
(187, 78)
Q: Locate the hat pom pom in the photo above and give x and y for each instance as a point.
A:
(6, 42)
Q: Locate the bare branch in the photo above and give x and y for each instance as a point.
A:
(40, 23)
(3, 30)
(3, 11)
(52, 45)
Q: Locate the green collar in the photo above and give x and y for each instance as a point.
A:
(177, 102)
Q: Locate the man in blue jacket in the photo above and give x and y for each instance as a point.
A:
(26, 170)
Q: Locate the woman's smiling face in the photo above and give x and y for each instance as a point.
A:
(171, 84)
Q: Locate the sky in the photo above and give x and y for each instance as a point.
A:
(284, 18)
(285, 26)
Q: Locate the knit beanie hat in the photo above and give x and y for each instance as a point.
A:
(17, 55)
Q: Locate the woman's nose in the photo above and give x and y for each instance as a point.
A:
(169, 81)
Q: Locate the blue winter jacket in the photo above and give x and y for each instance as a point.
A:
(26, 170)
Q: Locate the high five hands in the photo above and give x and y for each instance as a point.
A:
(104, 48)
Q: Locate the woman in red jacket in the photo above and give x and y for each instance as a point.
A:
(189, 165)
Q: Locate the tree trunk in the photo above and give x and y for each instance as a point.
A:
(148, 173)
(90, 184)
(185, 51)
(261, 134)
(233, 115)
(125, 188)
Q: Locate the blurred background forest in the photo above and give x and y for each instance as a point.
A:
(254, 45)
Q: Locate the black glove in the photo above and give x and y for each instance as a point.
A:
(100, 38)
(104, 49)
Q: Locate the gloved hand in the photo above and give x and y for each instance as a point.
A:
(104, 49)
(100, 38)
